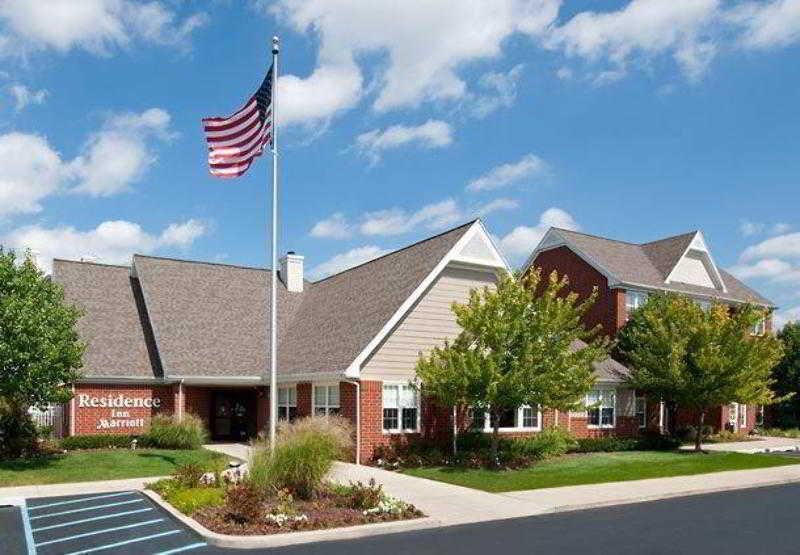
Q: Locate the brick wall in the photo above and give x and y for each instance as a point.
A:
(582, 280)
(303, 400)
(197, 401)
(130, 420)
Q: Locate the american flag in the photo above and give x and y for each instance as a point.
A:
(235, 141)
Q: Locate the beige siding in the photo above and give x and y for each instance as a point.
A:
(428, 323)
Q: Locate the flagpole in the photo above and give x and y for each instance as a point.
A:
(273, 329)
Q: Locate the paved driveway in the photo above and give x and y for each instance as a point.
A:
(118, 523)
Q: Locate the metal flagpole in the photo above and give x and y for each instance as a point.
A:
(273, 307)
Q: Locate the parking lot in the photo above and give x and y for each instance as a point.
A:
(119, 523)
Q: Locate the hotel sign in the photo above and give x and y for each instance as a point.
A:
(119, 416)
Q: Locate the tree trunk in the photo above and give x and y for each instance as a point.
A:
(495, 438)
(698, 440)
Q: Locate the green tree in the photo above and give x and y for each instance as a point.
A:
(786, 375)
(40, 352)
(698, 359)
(519, 345)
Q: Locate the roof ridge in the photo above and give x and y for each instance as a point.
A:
(105, 264)
(396, 251)
(596, 236)
(209, 263)
(692, 233)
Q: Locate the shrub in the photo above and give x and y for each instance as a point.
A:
(689, 433)
(167, 432)
(188, 475)
(98, 441)
(244, 503)
(781, 432)
(18, 434)
(303, 455)
(654, 441)
(189, 500)
(362, 496)
(408, 454)
(605, 444)
(550, 442)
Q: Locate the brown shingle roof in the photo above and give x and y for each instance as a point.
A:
(649, 264)
(115, 326)
(210, 320)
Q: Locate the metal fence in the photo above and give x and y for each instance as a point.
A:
(51, 417)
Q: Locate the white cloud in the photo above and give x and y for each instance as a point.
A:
(334, 227)
(783, 317)
(30, 170)
(326, 92)
(24, 97)
(782, 246)
(422, 55)
(119, 154)
(521, 241)
(431, 134)
(346, 260)
(767, 24)
(529, 166)
(501, 91)
(768, 267)
(565, 73)
(97, 26)
(396, 221)
(497, 205)
(114, 158)
(111, 242)
(644, 28)
(748, 228)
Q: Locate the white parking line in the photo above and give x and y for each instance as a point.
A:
(104, 531)
(182, 549)
(126, 542)
(87, 509)
(81, 500)
(42, 528)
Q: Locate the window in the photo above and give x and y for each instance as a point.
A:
(523, 418)
(641, 411)
(705, 305)
(733, 414)
(400, 408)
(759, 416)
(634, 300)
(326, 400)
(600, 404)
(760, 327)
(287, 403)
(742, 416)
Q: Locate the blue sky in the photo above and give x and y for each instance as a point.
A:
(633, 120)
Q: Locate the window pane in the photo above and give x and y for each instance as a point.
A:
(282, 391)
(282, 412)
(607, 416)
(478, 419)
(409, 419)
(390, 419)
(593, 417)
(409, 396)
(319, 411)
(507, 418)
(390, 396)
(333, 410)
(333, 396)
(530, 417)
(320, 397)
(292, 413)
(292, 396)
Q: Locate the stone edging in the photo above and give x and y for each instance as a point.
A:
(294, 538)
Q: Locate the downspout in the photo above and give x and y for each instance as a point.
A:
(181, 401)
(357, 385)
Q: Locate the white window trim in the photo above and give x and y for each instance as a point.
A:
(487, 422)
(400, 429)
(602, 426)
(741, 415)
(643, 425)
(759, 328)
(327, 406)
(641, 298)
(287, 405)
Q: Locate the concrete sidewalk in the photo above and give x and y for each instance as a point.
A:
(760, 444)
(76, 488)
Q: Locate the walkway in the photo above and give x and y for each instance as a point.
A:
(760, 445)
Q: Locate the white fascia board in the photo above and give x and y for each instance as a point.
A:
(127, 380)
(354, 370)
(698, 243)
(628, 285)
(316, 377)
(218, 380)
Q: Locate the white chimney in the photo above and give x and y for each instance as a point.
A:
(291, 272)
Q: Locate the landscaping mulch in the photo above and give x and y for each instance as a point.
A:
(325, 511)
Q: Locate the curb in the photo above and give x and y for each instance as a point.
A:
(295, 538)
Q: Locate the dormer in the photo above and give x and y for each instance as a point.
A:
(696, 266)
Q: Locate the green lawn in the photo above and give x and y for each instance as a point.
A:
(103, 464)
(595, 468)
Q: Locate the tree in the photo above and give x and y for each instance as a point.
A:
(40, 352)
(698, 358)
(786, 375)
(518, 346)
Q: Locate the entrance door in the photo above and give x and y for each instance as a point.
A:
(233, 416)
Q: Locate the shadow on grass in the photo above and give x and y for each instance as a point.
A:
(35, 463)
(155, 455)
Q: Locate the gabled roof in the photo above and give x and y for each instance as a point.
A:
(211, 320)
(649, 265)
(117, 330)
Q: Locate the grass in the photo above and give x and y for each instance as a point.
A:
(597, 468)
(101, 464)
